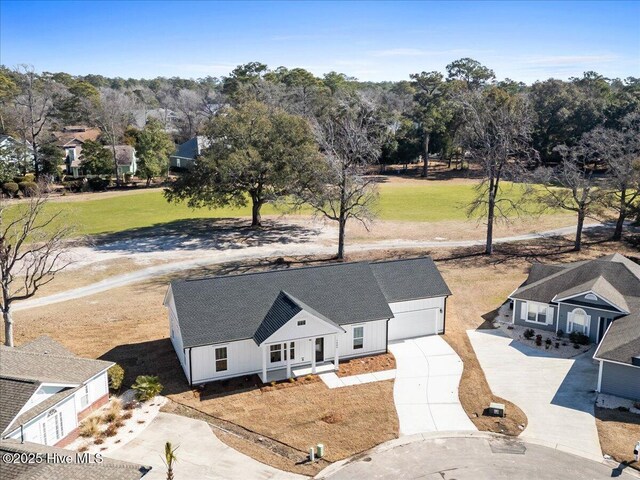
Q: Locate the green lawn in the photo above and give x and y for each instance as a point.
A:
(428, 202)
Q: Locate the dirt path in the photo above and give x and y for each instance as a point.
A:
(311, 243)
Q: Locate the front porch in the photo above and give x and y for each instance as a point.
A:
(280, 374)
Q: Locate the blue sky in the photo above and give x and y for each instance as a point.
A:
(524, 41)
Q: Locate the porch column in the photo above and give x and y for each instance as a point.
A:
(336, 361)
(313, 355)
(264, 363)
(287, 346)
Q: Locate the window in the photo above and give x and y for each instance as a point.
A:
(52, 428)
(578, 321)
(358, 337)
(221, 359)
(591, 296)
(302, 323)
(536, 312)
(276, 353)
(84, 398)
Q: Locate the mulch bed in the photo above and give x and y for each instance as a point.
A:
(374, 363)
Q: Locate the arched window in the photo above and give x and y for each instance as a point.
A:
(578, 321)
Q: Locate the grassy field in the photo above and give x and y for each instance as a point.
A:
(412, 202)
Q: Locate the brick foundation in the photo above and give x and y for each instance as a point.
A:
(75, 433)
(93, 407)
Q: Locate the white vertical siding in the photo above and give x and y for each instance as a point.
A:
(33, 432)
(423, 304)
(174, 333)
(375, 339)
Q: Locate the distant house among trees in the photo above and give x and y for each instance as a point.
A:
(127, 160)
(165, 116)
(188, 151)
(71, 139)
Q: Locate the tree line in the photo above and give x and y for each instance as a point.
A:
(286, 135)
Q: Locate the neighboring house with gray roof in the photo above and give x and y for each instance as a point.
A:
(284, 323)
(599, 298)
(80, 466)
(45, 391)
(187, 153)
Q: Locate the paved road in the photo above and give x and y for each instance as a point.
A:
(201, 456)
(478, 457)
(425, 392)
(556, 394)
(226, 254)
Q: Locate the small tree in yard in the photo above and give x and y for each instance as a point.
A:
(95, 158)
(153, 147)
(571, 187)
(497, 129)
(257, 153)
(32, 251)
(169, 459)
(350, 138)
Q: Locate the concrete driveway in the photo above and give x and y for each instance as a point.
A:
(425, 392)
(200, 454)
(556, 394)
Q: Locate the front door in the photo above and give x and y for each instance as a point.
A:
(602, 328)
(319, 349)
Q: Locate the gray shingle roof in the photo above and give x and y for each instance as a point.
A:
(230, 308)
(618, 271)
(108, 469)
(46, 345)
(402, 280)
(14, 394)
(600, 287)
(48, 367)
(192, 147)
(622, 341)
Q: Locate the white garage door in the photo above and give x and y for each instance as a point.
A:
(415, 323)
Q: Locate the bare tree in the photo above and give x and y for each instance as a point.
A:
(32, 251)
(571, 187)
(189, 105)
(350, 137)
(113, 115)
(35, 107)
(496, 136)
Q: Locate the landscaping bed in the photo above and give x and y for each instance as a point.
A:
(373, 363)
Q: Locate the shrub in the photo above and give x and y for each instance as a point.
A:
(538, 339)
(74, 186)
(98, 441)
(147, 387)
(529, 333)
(30, 177)
(548, 341)
(557, 344)
(113, 412)
(636, 405)
(129, 406)
(98, 184)
(560, 333)
(28, 189)
(579, 338)
(90, 427)
(127, 177)
(116, 375)
(111, 430)
(576, 346)
(19, 179)
(10, 189)
(126, 415)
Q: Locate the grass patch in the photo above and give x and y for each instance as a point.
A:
(415, 202)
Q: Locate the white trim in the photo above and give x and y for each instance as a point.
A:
(558, 300)
(548, 320)
(598, 388)
(595, 354)
(617, 363)
(570, 322)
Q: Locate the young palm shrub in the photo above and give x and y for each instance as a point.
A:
(169, 459)
(90, 427)
(147, 387)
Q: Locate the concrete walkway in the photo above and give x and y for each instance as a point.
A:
(238, 252)
(425, 392)
(332, 380)
(473, 456)
(200, 454)
(556, 394)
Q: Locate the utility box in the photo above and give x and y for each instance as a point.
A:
(496, 409)
(320, 450)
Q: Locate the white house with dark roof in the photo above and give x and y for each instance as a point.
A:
(45, 391)
(599, 298)
(284, 323)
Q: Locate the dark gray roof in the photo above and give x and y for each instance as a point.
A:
(622, 341)
(192, 147)
(14, 394)
(539, 271)
(620, 275)
(108, 469)
(402, 280)
(229, 308)
(48, 367)
(601, 288)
